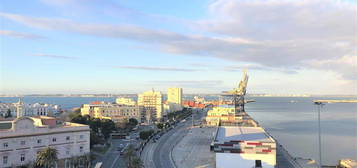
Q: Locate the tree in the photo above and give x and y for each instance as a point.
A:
(133, 121)
(129, 155)
(95, 124)
(160, 125)
(167, 124)
(107, 127)
(137, 163)
(80, 119)
(94, 139)
(145, 134)
(47, 157)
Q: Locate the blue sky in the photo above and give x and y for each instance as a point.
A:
(122, 46)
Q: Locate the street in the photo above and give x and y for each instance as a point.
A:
(112, 158)
(159, 154)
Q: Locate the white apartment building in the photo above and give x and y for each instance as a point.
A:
(44, 109)
(125, 101)
(152, 103)
(174, 99)
(35, 109)
(115, 112)
(243, 147)
(22, 138)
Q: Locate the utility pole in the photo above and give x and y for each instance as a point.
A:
(319, 106)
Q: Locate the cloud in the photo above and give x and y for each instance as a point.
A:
(20, 35)
(284, 35)
(238, 68)
(190, 83)
(54, 56)
(346, 64)
(103, 30)
(148, 68)
(282, 20)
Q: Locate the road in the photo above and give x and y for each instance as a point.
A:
(159, 154)
(162, 153)
(112, 158)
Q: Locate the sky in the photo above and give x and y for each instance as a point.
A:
(130, 46)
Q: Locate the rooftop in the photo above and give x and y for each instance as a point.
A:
(39, 121)
(233, 133)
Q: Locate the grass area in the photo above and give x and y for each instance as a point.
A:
(101, 150)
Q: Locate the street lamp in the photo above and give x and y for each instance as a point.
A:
(319, 107)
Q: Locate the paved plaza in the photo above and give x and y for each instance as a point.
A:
(193, 150)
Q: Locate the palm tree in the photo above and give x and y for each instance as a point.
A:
(137, 163)
(129, 155)
(47, 157)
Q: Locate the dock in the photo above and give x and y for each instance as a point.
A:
(336, 101)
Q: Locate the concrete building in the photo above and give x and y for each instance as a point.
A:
(226, 114)
(43, 109)
(174, 95)
(174, 99)
(246, 145)
(231, 160)
(125, 101)
(153, 105)
(22, 109)
(115, 112)
(22, 138)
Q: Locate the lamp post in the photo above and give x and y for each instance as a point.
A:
(319, 106)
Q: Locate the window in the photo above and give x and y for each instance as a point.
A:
(22, 158)
(39, 141)
(54, 139)
(81, 149)
(67, 163)
(81, 136)
(4, 160)
(68, 138)
(67, 152)
(6, 145)
(23, 142)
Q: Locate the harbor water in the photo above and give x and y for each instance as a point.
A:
(291, 120)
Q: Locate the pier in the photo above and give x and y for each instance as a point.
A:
(335, 101)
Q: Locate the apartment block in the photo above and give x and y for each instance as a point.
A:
(23, 138)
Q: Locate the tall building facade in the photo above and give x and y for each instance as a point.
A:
(174, 95)
(152, 103)
(174, 99)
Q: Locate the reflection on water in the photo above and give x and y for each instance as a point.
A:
(293, 122)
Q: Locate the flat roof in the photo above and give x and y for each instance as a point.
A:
(234, 133)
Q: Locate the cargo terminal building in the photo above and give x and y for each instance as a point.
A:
(245, 146)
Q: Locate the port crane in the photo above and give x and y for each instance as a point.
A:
(238, 93)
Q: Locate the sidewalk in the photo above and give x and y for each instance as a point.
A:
(193, 150)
